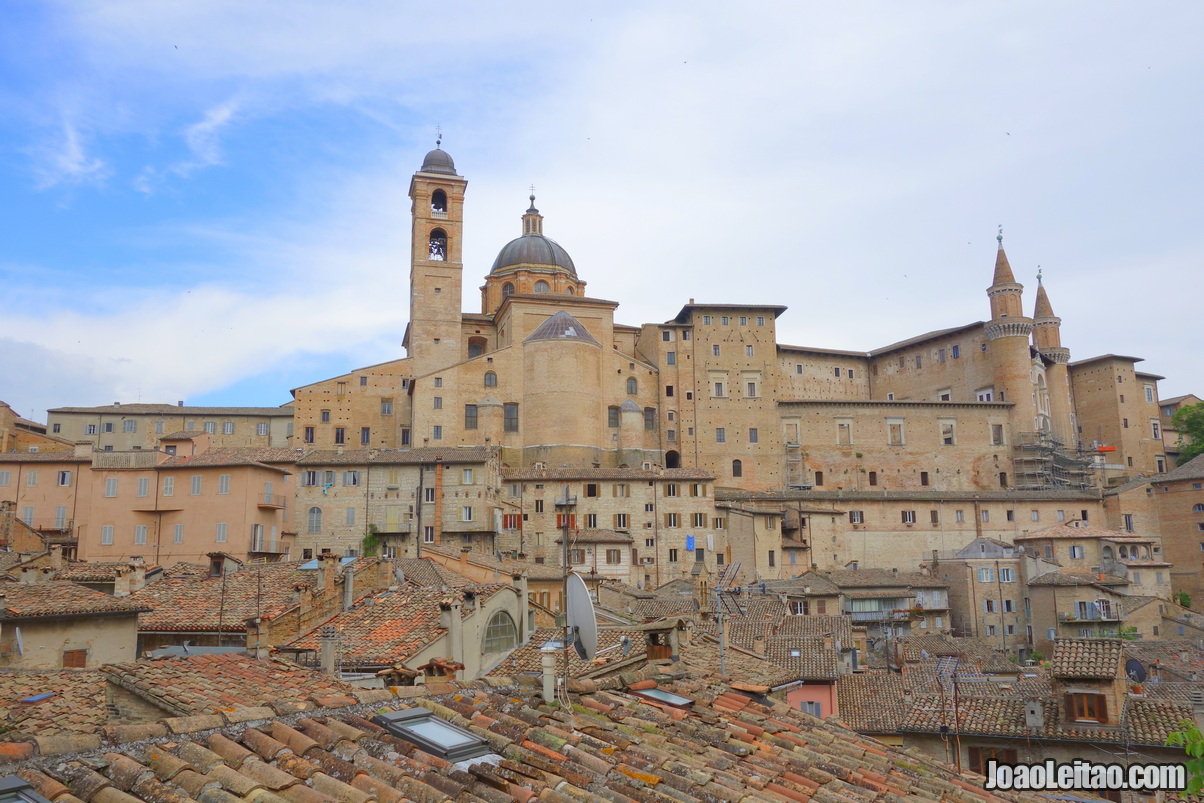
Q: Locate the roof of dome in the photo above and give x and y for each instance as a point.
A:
(533, 249)
(438, 161)
(562, 326)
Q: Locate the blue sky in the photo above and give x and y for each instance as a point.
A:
(207, 201)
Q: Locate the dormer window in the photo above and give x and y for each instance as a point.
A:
(1084, 707)
(424, 730)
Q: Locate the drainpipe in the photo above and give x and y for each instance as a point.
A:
(438, 500)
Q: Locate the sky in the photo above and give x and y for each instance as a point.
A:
(206, 201)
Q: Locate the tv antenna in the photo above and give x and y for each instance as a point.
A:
(725, 599)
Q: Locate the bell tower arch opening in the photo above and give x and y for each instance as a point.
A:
(437, 245)
(439, 202)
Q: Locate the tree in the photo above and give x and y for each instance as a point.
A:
(1192, 742)
(1189, 423)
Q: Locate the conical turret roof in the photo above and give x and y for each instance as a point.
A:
(1003, 271)
(562, 326)
(1044, 309)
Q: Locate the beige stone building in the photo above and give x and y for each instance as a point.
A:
(55, 625)
(126, 427)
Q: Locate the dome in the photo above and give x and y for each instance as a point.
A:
(438, 161)
(533, 249)
(562, 326)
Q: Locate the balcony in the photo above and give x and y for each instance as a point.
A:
(274, 501)
(879, 616)
(51, 525)
(1090, 616)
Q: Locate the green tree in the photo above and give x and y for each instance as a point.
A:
(1192, 742)
(1189, 423)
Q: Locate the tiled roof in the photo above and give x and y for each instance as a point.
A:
(76, 704)
(977, 654)
(503, 568)
(871, 702)
(807, 584)
(205, 684)
(215, 457)
(838, 627)
(598, 537)
(667, 474)
(1065, 578)
(43, 457)
(1075, 530)
(183, 601)
(882, 578)
(84, 572)
(182, 435)
(22, 600)
(390, 627)
(428, 574)
(1098, 658)
(176, 410)
(408, 457)
(562, 326)
(1174, 658)
(611, 746)
(528, 658)
(813, 662)
(744, 666)
(265, 454)
(1191, 470)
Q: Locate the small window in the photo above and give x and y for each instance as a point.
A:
(314, 520)
(510, 417)
(75, 659)
(542, 287)
(670, 358)
(470, 416)
(715, 350)
(666, 336)
(632, 386)
(923, 478)
(873, 477)
(490, 379)
(737, 468)
(909, 516)
(720, 435)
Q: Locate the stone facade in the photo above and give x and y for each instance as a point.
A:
(124, 427)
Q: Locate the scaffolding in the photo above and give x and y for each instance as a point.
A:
(1044, 463)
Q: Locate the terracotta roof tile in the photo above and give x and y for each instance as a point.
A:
(76, 704)
(1099, 658)
(450, 454)
(21, 600)
(188, 599)
(667, 474)
(204, 684)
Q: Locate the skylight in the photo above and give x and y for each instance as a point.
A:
(662, 696)
(422, 729)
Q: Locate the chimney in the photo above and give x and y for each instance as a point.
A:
(758, 646)
(180, 403)
(464, 550)
(520, 583)
(1197, 707)
(451, 620)
(56, 557)
(548, 662)
(348, 586)
(329, 645)
(121, 582)
(327, 566)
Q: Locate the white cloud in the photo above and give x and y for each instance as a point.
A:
(203, 139)
(66, 161)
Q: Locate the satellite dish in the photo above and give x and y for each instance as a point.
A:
(924, 655)
(583, 625)
(20, 641)
(625, 644)
(1135, 671)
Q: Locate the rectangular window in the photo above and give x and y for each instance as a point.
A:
(873, 476)
(386, 407)
(591, 521)
(466, 476)
(988, 606)
(351, 478)
(140, 534)
(700, 519)
(666, 335)
(143, 486)
(773, 561)
(106, 535)
(909, 516)
(819, 478)
(428, 495)
(715, 350)
(227, 427)
(1036, 515)
(919, 361)
(1009, 606)
(90, 429)
(31, 479)
(986, 515)
(436, 433)
(111, 487)
(64, 478)
(670, 358)
(1076, 551)
(957, 352)
(948, 433)
(894, 429)
(612, 416)
(195, 486)
(671, 520)
(1149, 393)
(1007, 575)
(671, 435)
(753, 435)
(706, 319)
(1087, 707)
(748, 351)
(718, 388)
(5, 478)
(621, 489)
(510, 521)
(750, 389)
(992, 630)
(438, 381)
(649, 418)
(340, 435)
(438, 401)
(614, 557)
(108, 427)
(169, 486)
(723, 319)
(720, 435)
(510, 416)
(309, 434)
(673, 556)
(1061, 515)
(539, 506)
(986, 575)
(621, 522)
(129, 425)
(1156, 429)
(959, 515)
(934, 516)
(844, 433)
(261, 428)
(428, 534)
(856, 517)
(210, 427)
(923, 478)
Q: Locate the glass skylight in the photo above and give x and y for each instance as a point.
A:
(665, 697)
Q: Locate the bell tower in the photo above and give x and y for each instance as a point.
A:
(1008, 335)
(436, 263)
(1048, 337)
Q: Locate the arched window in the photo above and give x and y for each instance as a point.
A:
(475, 350)
(439, 201)
(569, 290)
(1198, 508)
(507, 289)
(490, 379)
(737, 468)
(500, 634)
(542, 287)
(672, 460)
(438, 245)
(1108, 552)
(315, 520)
(633, 387)
(1124, 553)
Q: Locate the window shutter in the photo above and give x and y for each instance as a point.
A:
(976, 760)
(1103, 709)
(1068, 702)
